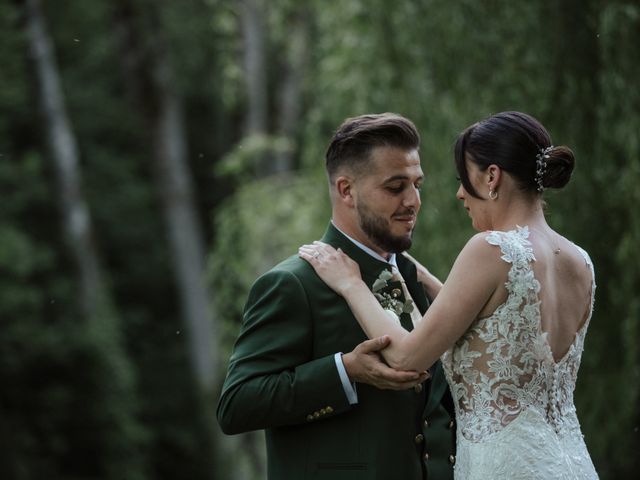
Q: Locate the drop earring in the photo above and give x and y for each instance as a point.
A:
(493, 194)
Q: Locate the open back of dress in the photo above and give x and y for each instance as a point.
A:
(514, 401)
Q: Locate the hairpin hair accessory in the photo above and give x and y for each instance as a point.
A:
(541, 165)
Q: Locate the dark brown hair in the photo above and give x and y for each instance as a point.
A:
(512, 141)
(356, 137)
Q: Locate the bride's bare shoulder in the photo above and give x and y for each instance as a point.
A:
(480, 244)
(575, 259)
(480, 253)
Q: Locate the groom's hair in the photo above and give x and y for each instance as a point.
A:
(356, 137)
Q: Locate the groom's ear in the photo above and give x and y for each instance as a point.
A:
(344, 186)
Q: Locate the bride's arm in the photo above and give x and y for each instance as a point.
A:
(474, 277)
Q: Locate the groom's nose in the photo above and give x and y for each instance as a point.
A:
(412, 198)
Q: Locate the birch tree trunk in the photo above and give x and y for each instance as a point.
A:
(64, 152)
(117, 427)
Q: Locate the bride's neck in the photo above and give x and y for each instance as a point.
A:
(520, 213)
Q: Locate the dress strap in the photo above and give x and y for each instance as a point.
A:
(514, 245)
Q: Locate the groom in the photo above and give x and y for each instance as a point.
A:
(330, 415)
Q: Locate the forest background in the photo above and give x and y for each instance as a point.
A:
(157, 156)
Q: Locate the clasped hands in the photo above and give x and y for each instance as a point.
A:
(364, 364)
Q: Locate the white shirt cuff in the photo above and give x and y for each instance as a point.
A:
(349, 388)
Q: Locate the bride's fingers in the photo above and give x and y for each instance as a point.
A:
(309, 255)
(312, 249)
(320, 252)
(319, 247)
(312, 254)
(324, 247)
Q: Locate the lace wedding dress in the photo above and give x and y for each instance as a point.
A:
(514, 402)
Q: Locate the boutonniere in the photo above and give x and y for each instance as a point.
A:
(388, 298)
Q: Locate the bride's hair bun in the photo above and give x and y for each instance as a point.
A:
(559, 167)
(518, 144)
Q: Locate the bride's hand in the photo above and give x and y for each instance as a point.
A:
(333, 266)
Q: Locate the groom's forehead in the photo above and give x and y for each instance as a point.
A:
(389, 168)
(402, 177)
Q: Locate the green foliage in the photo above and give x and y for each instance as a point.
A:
(72, 404)
(66, 397)
(62, 417)
(264, 222)
(616, 172)
(242, 158)
(118, 401)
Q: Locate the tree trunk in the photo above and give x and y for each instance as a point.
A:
(290, 97)
(175, 186)
(64, 152)
(253, 33)
(176, 190)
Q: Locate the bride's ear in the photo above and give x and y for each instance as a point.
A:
(493, 176)
(344, 189)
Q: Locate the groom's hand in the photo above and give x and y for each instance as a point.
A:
(365, 365)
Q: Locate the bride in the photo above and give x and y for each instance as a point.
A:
(510, 321)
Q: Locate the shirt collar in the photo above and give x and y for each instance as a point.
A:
(391, 261)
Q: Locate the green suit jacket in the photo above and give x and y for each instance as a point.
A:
(282, 377)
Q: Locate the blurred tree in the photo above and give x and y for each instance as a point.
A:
(53, 419)
(291, 32)
(64, 153)
(175, 189)
(253, 14)
(150, 80)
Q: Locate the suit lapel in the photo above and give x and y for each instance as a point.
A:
(408, 272)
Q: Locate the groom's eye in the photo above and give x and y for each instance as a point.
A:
(395, 189)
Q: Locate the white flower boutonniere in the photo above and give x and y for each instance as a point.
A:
(390, 300)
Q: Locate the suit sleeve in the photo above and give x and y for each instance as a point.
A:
(273, 379)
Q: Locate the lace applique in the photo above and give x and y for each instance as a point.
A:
(504, 365)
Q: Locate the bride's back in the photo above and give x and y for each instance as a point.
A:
(525, 355)
(565, 288)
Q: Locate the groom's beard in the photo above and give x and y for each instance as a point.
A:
(378, 230)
